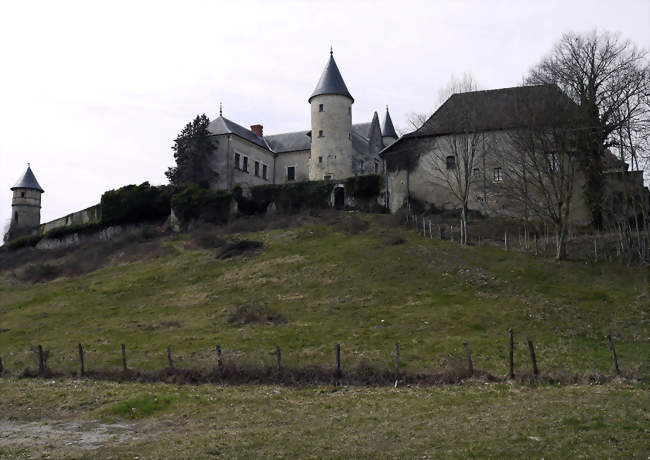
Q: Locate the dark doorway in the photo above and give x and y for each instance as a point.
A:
(339, 197)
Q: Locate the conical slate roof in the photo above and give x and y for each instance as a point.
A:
(331, 81)
(28, 180)
(387, 128)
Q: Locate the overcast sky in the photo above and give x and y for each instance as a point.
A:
(92, 93)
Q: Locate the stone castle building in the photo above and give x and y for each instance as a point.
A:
(25, 204)
(332, 149)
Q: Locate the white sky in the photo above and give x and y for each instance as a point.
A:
(92, 93)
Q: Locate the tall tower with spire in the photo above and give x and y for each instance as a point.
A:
(26, 204)
(331, 126)
(388, 133)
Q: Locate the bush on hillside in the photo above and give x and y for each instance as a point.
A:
(135, 203)
(192, 202)
(364, 187)
(292, 198)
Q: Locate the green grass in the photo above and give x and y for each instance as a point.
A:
(333, 287)
(456, 421)
(142, 406)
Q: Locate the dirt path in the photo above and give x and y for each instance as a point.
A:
(86, 436)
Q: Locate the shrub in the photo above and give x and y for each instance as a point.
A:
(192, 202)
(40, 272)
(24, 242)
(135, 203)
(60, 232)
(294, 197)
(255, 314)
(364, 187)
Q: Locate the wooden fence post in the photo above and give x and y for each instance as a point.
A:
(512, 353)
(82, 369)
(536, 246)
(1, 368)
(424, 227)
(41, 360)
(470, 366)
(169, 357)
(219, 359)
(505, 240)
(531, 348)
(337, 372)
(595, 250)
(430, 229)
(613, 352)
(124, 369)
(451, 233)
(442, 232)
(396, 362)
(278, 355)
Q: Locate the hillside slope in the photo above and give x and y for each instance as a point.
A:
(334, 281)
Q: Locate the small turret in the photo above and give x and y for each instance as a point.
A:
(388, 130)
(331, 126)
(25, 205)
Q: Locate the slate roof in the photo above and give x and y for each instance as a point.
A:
(222, 125)
(387, 128)
(331, 82)
(28, 180)
(362, 129)
(496, 109)
(289, 142)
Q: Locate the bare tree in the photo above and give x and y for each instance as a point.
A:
(608, 78)
(463, 84)
(541, 164)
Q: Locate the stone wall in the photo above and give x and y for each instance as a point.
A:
(89, 215)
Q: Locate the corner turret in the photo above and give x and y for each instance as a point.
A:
(25, 205)
(388, 130)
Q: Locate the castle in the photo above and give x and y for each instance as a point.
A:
(333, 149)
(416, 167)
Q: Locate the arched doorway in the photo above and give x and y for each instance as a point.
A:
(339, 198)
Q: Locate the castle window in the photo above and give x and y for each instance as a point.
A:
(16, 217)
(22, 194)
(497, 175)
(265, 172)
(476, 172)
(451, 163)
(320, 133)
(320, 160)
(257, 168)
(376, 167)
(320, 108)
(552, 161)
(327, 177)
(291, 173)
(245, 165)
(237, 160)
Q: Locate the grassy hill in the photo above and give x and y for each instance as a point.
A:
(340, 278)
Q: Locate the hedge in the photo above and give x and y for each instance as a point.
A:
(192, 202)
(364, 187)
(135, 203)
(292, 197)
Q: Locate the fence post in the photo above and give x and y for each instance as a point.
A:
(219, 359)
(595, 250)
(442, 232)
(531, 348)
(505, 241)
(1, 368)
(337, 372)
(396, 362)
(82, 369)
(430, 230)
(124, 369)
(536, 246)
(41, 360)
(470, 366)
(613, 352)
(451, 233)
(512, 353)
(278, 355)
(169, 357)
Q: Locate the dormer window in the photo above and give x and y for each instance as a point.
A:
(321, 108)
(320, 133)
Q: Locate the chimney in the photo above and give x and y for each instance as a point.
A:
(258, 129)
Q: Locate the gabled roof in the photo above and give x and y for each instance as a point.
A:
(289, 142)
(497, 109)
(331, 82)
(362, 129)
(28, 180)
(222, 125)
(387, 128)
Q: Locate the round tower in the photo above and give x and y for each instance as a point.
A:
(331, 126)
(25, 205)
